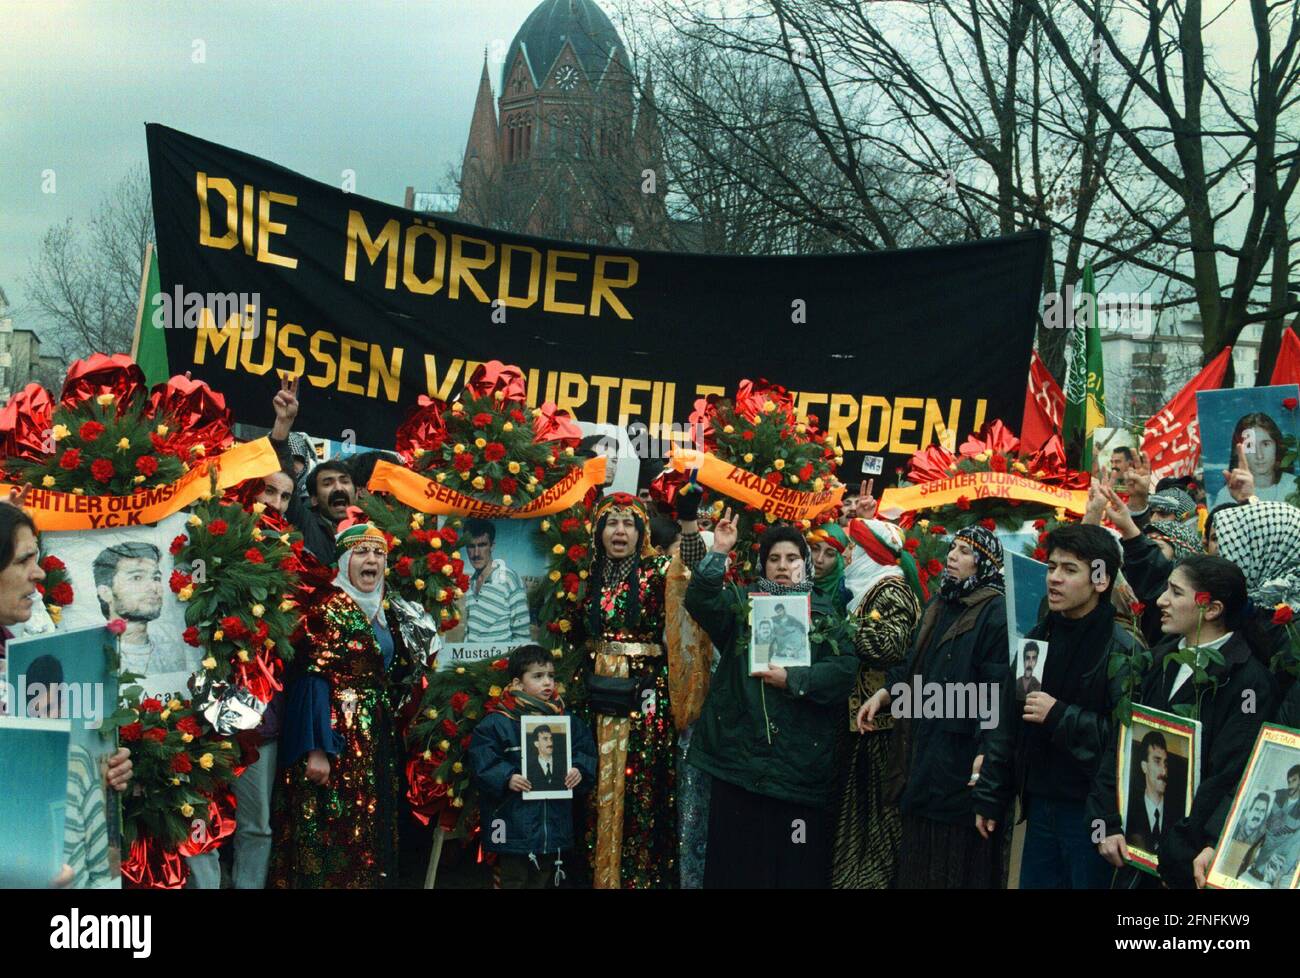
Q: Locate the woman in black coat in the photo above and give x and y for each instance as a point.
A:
(1230, 692)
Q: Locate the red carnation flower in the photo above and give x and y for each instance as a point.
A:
(509, 486)
(747, 435)
(146, 465)
(434, 560)
(159, 443)
(181, 763)
(217, 528)
(1040, 553)
(1203, 599)
(464, 741)
(495, 451)
(570, 525)
(403, 567)
(178, 544)
(462, 582)
(482, 419)
(988, 524)
(189, 725)
(254, 556)
(458, 701)
(963, 503)
(500, 665)
(938, 530)
(997, 463)
(156, 734)
(449, 727)
(90, 430)
(1282, 614)
(487, 482)
(806, 472)
(933, 568)
(191, 636)
(571, 582)
(463, 461)
(131, 732)
(102, 469)
(152, 705)
(234, 627)
(516, 416)
(577, 552)
(62, 593)
(910, 544)
(539, 472)
(1039, 524)
(1289, 403)
(760, 527)
(291, 564)
(449, 537)
(52, 563)
(178, 581)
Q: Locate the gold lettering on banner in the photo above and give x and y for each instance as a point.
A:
(287, 332)
(534, 278)
(412, 281)
(936, 429)
(463, 266)
(348, 366)
(603, 386)
(381, 372)
(843, 412)
(331, 368)
(903, 424)
(627, 408)
(553, 275)
(246, 219)
(388, 241)
(572, 392)
(442, 391)
(866, 441)
(267, 227)
(208, 336)
(602, 285)
(204, 184)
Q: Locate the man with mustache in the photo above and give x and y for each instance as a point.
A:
(1148, 817)
(330, 490)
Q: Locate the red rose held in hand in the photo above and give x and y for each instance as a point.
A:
(1282, 614)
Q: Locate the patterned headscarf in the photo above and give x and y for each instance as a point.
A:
(830, 583)
(1263, 539)
(1173, 500)
(988, 565)
(1181, 536)
(348, 538)
(608, 572)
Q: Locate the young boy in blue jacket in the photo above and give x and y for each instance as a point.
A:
(527, 836)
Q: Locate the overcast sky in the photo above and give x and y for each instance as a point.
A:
(381, 87)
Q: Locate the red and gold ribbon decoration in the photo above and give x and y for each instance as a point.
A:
(976, 486)
(754, 490)
(429, 496)
(68, 511)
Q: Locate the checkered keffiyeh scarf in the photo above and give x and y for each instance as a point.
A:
(1173, 500)
(1263, 539)
(1181, 536)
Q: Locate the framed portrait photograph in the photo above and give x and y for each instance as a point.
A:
(1253, 420)
(1157, 773)
(33, 800)
(779, 625)
(65, 677)
(124, 573)
(546, 745)
(1026, 599)
(1260, 846)
(1031, 659)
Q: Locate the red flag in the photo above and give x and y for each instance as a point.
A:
(1171, 440)
(1044, 407)
(1287, 368)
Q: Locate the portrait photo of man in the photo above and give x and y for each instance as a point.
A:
(1032, 654)
(1157, 792)
(129, 584)
(1248, 833)
(789, 638)
(546, 757)
(496, 604)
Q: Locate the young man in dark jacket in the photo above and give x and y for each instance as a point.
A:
(1049, 752)
(529, 837)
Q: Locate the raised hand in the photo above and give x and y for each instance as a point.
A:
(1241, 481)
(1140, 487)
(286, 407)
(725, 532)
(1118, 513)
(17, 494)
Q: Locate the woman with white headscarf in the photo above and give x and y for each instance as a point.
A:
(335, 820)
(886, 599)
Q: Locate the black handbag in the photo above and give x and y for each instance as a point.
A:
(613, 697)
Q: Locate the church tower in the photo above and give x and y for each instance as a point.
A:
(566, 150)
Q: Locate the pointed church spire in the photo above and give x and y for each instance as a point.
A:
(482, 150)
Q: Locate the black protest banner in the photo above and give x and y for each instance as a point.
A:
(264, 271)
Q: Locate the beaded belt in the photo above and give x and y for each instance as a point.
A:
(632, 650)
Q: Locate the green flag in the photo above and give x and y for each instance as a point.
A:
(150, 348)
(1085, 388)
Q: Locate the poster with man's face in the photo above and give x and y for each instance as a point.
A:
(505, 561)
(1156, 777)
(1028, 667)
(124, 573)
(622, 458)
(1026, 600)
(1260, 846)
(546, 745)
(779, 629)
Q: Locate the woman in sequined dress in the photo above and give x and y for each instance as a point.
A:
(335, 811)
(631, 830)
